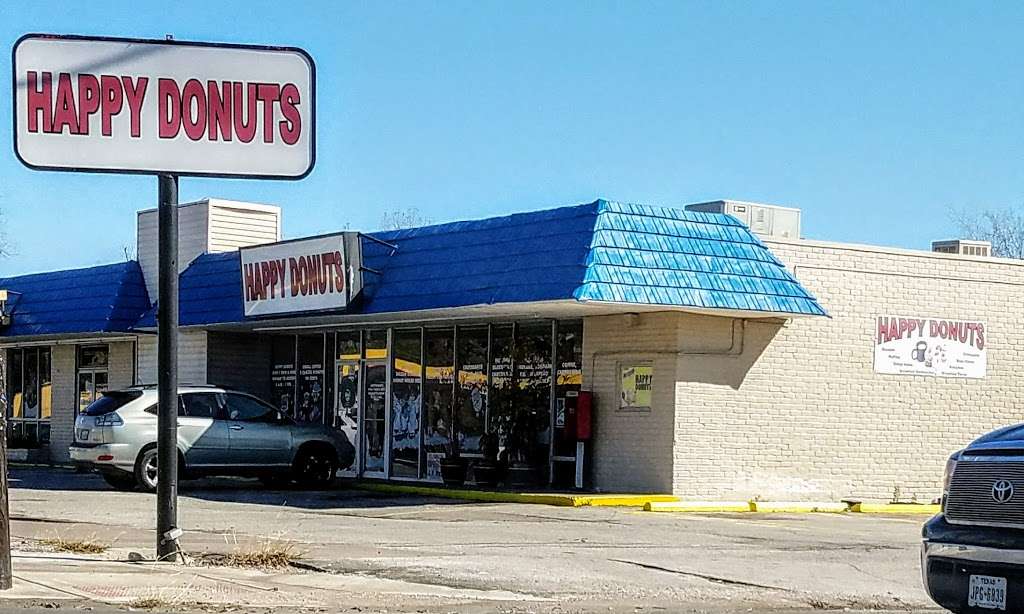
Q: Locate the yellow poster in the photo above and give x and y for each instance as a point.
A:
(636, 386)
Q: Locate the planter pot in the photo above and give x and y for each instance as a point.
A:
(486, 474)
(453, 472)
(522, 475)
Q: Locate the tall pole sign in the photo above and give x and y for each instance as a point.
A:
(166, 108)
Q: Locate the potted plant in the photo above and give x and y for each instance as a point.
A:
(453, 466)
(487, 471)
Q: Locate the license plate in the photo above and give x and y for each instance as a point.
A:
(987, 592)
(83, 434)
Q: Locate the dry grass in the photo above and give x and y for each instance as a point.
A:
(150, 603)
(88, 545)
(268, 553)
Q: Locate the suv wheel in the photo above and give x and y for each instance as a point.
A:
(315, 467)
(146, 470)
(120, 480)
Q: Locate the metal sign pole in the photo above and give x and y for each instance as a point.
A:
(6, 578)
(167, 373)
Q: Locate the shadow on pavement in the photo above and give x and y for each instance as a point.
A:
(226, 490)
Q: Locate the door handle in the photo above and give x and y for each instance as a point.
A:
(236, 427)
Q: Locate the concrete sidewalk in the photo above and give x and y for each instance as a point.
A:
(64, 580)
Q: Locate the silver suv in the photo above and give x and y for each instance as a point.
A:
(220, 432)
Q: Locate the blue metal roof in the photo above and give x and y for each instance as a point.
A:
(101, 299)
(662, 256)
(601, 251)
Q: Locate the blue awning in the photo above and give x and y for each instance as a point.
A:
(100, 299)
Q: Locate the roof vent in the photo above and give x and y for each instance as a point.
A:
(964, 247)
(767, 221)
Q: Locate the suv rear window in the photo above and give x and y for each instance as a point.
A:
(111, 401)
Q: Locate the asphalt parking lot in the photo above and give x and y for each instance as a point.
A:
(525, 557)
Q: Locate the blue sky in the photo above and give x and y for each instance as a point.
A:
(875, 118)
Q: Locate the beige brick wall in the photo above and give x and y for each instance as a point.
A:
(121, 373)
(632, 450)
(800, 413)
(64, 401)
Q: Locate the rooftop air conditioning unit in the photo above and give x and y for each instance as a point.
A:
(964, 247)
(768, 221)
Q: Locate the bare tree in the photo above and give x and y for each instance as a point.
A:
(396, 219)
(5, 246)
(1003, 228)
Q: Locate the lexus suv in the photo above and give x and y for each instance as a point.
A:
(972, 556)
(220, 432)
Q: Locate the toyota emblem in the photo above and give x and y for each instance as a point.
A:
(1002, 491)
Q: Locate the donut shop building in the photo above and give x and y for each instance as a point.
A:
(706, 351)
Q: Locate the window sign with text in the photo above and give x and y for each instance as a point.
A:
(635, 388)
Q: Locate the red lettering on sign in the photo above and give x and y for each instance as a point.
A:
(245, 123)
(169, 108)
(89, 100)
(291, 126)
(65, 114)
(219, 105)
(135, 94)
(193, 109)
(268, 93)
(40, 97)
(111, 101)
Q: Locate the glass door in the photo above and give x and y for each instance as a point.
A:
(91, 384)
(375, 405)
(346, 407)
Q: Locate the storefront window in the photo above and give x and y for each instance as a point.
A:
(348, 345)
(528, 433)
(500, 395)
(29, 397)
(471, 406)
(283, 374)
(375, 408)
(437, 397)
(406, 370)
(568, 385)
(376, 344)
(310, 394)
(92, 373)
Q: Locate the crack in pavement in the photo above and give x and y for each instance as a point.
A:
(708, 577)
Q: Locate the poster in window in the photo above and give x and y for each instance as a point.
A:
(283, 374)
(636, 387)
(310, 398)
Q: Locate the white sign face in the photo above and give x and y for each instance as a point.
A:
(930, 346)
(138, 106)
(317, 274)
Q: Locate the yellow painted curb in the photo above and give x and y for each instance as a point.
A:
(559, 499)
(896, 508)
(691, 507)
(624, 500)
(797, 507)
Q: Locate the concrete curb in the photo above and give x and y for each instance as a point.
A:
(798, 507)
(649, 503)
(697, 507)
(488, 496)
(896, 508)
(790, 507)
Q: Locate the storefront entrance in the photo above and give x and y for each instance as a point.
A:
(407, 397)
